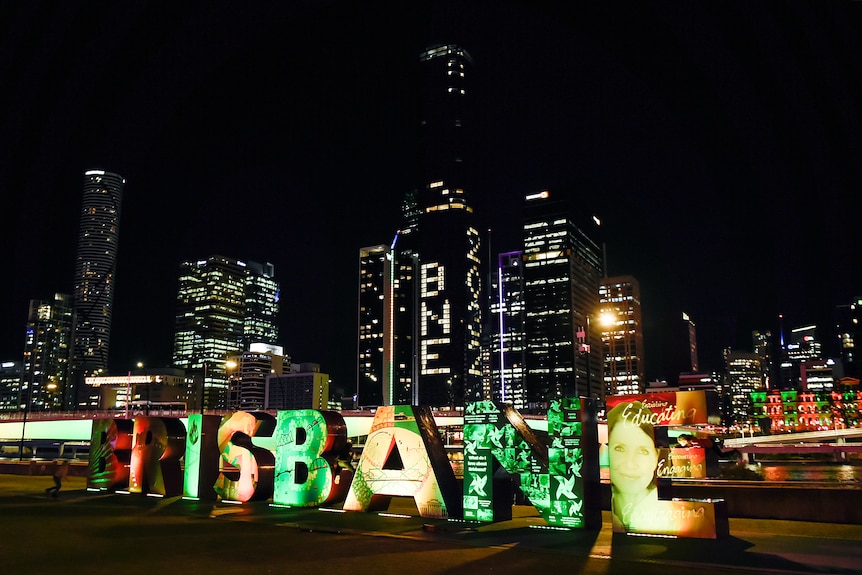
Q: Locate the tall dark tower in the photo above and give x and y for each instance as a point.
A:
(95, 274)
(678, 335)
(446, 238)
(419, 305)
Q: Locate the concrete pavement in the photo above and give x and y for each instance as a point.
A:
(37, 532)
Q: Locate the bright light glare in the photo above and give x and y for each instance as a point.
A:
(607, 319)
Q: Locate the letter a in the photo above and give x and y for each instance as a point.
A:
(404, 456)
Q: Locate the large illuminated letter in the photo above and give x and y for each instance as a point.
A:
(247, 470)
(110, 451)
(560, 480)
(573, 465)
(306, 446)
(404, 456)
(202, 457)
(638, 462)
(158, 445)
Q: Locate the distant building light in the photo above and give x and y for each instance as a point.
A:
(538, 196)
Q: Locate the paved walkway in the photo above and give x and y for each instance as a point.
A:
(85, 532)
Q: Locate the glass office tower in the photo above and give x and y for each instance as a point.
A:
(507, 337)
(47, 354)
(562, 267)
(745, 375)
(621, 326)
(223, 306)
(374, 366)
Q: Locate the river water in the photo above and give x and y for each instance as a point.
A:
(799, 471)
(817, 472)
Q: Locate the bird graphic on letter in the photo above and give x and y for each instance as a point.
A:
(565, 487)
(478, 485)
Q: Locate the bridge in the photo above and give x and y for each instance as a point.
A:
(61, 431)
(838, 442)
(67, 434)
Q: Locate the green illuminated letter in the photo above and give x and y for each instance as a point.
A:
(560, 480)
(307, 442)
(202, 457)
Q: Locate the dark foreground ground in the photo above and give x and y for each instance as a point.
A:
(83, 532)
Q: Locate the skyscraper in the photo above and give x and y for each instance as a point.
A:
(745, 375)
(223, 306)
(386, 357)
(849, 327)
(763, 345)
(374, 354)
(507, 336)
(562, 267)
(420, 314)
(47, 351)
(621, 325)
(10, 385)
(261, 305)
(95, 271)
(449, 319)
(803, 346)
(678, 335)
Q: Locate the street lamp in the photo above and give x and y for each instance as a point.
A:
(28, 400)
(607, 319)
(202, 388)
(130, 389)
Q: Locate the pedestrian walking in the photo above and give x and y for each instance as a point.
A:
(61, 469)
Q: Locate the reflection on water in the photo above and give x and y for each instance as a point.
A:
(800, 471)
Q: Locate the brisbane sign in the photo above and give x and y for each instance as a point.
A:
(222, 458)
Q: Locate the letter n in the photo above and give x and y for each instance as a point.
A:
(561, 479)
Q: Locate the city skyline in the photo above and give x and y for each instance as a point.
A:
(698, 137)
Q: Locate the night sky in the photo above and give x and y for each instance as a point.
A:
(718, 141)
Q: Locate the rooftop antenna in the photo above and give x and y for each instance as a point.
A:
(781, 330)
(598, 223)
